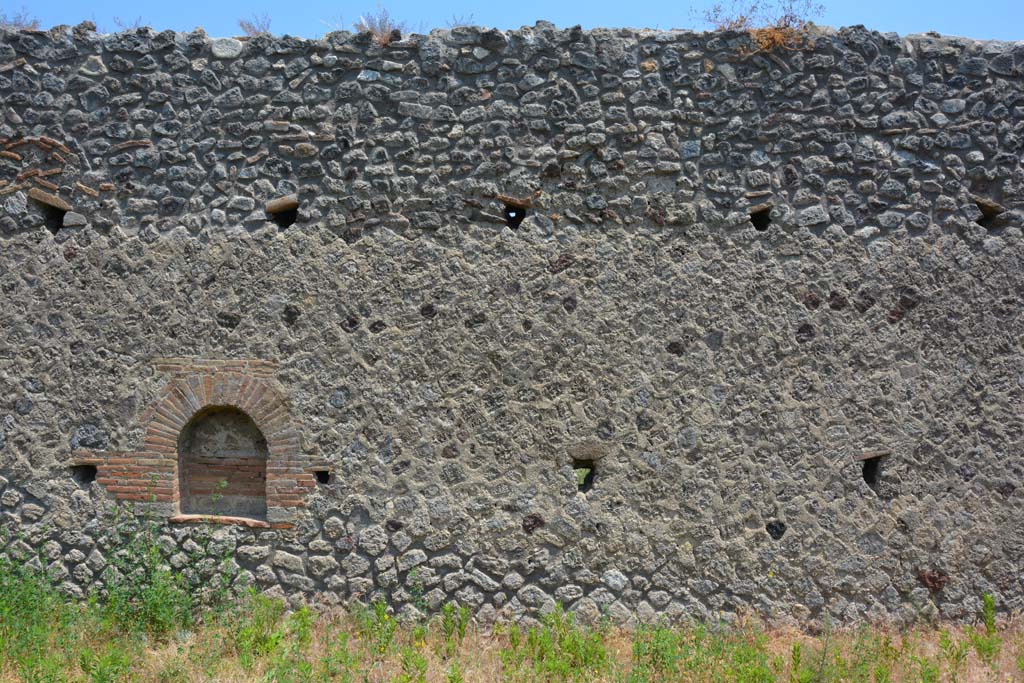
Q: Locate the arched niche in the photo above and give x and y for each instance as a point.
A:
(222, 464)
(210, 413)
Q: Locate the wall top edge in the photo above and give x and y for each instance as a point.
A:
(468, 36)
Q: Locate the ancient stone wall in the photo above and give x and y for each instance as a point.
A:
(645, 323)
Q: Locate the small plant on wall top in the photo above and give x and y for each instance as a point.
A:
(776, 24)
(258, 25)
(19, 20)
(385, 28)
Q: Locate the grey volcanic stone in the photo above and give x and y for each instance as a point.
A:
(93, 66)
(614, 579)
(334, 528)
(321, 565)
(253, 553)
(89, 436)
(74, 220)
(288, 561)
(373, 540)
(355, 565)
(226, 48)
(411, 559)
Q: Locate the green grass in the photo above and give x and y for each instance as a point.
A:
(987, 641)
(558, 649)
(149, 629)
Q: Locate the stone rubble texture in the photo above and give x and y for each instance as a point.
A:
(725, 380)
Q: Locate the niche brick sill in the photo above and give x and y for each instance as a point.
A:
(225, 519)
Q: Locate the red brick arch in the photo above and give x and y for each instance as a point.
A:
(150, 475)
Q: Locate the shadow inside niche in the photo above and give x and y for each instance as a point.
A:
(871, 471)
(990, 212)
(53, 218)
(284, 219)
(514, 215)
(760, 217)
(83, 474)
(585, 471)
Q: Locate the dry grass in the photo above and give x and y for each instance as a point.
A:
(18, 21)
(385, 28)
(479, 657)
(258, 25)
(129, 24)
(778, 24)
(457, 20)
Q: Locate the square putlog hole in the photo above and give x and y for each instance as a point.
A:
(514, 215)
(322, 476)
(284, 211)
(990, 211)
(760, 216)
(53, 217)
(585, 472)
(83, 474)
(284, 219)
(871, 471)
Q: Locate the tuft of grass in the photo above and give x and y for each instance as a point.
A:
(954, 653)
(385, 28)
(289, 661)
(129, 24)
(146, 595)
(34, 623)
(377, 626)
(334, 23)
(110, 664)
(454, 674)
(454, 622)
(460, 20)
(339, 663)
(556, 650)
(661, 655)
(414, 665)
(771, 24)
(927, 669)
(258, 634)
(18, 21)
(257, 25)
(581, 475)
(987, 642)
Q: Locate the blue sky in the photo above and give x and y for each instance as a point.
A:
(998, 19)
